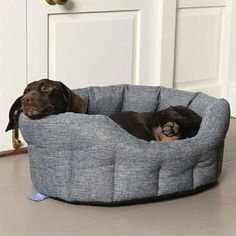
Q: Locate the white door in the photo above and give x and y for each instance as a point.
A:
(87, 43)
(101, 42)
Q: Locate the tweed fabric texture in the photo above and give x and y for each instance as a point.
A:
(89, 158)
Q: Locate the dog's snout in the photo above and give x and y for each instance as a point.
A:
(28, 98)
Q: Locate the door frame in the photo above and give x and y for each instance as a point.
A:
(165, 42)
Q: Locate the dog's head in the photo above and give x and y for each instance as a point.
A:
(43, 98)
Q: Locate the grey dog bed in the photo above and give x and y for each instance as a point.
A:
(89, 159)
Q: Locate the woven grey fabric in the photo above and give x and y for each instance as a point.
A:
(89, 158)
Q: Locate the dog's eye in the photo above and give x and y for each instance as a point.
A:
(46, 89)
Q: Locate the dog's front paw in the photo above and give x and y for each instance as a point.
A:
(170, 129)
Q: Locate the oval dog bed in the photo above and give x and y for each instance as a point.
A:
(83, 158)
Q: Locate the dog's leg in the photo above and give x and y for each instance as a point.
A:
(170, 129)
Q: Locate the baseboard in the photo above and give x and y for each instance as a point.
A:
(14, 152)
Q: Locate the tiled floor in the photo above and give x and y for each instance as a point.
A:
(212, 212)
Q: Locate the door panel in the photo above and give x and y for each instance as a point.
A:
(199, 44)
(94, 48)
(202, 46)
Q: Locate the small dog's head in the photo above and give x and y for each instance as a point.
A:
(43, 98)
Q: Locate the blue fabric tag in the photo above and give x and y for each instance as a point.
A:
(37, 197)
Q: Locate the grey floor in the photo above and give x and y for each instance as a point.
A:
(212, 212)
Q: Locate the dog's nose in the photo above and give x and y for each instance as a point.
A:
(27, 99)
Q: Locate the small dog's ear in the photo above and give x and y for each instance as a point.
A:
(14, 114)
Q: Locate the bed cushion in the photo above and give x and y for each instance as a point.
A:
(88, 158)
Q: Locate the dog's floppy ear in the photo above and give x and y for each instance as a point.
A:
(14, 114)
(66, 93)
(74, 102)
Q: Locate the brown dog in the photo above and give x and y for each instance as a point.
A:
(43, 98)
(176, 122)
(46, 97)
